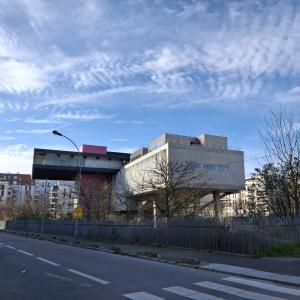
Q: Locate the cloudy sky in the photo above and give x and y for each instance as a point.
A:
(119, 73)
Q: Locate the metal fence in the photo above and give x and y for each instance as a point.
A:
(246, 235)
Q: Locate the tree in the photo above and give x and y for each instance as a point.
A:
(125, 197)
(173, 187)
(96, 197)
(281, 174)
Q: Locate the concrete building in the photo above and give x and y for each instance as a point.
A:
(64, 165)
(56, 171)
(223, 168)
(15, 187)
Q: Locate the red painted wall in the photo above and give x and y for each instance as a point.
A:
(93, 149)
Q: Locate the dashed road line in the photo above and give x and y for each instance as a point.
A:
(10, 247)
(263, 285)
(191, 294)
(236, 291)
(25, 252)
(142, 296)
(88, 276)
(48, 261)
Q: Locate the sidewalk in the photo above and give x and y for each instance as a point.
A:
(186, 257)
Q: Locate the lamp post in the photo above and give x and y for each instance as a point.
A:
(55, 132)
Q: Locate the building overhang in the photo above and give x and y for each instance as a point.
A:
(65, 172)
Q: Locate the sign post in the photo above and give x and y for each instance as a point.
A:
(77, 215)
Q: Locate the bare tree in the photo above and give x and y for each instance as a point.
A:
(175, 188)
(125, 197)
(281, 173)
(96, 197)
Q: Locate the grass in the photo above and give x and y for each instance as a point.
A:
(292, 249)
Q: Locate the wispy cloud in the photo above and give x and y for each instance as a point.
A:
(30, 131)
(78, 116)
(41, 121)
(6, 138)
(121, 140)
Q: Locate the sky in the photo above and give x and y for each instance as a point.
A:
(121, 72)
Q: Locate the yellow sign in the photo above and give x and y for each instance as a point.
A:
(78, 213)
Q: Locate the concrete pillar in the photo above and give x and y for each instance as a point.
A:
(217, 204)
(154, 214)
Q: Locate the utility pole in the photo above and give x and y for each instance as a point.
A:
(55, 132)
(43, 207)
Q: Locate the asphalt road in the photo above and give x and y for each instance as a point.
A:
(38, 269)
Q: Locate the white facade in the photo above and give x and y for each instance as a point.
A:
(251, 198)
(62, 200)
(3, 191)
(223, 168)
(15, 187)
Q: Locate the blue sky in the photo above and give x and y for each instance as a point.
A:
(121, 72)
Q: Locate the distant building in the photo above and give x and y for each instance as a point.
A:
(250, 200)
(15, 187)
(62, 201)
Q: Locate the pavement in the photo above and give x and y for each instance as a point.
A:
(33, 268)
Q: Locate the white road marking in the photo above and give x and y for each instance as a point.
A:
(178, 290)
(24, 252)
(263, 285)
(48, 261)
(88, 276)
(1, 244)
(235, 291)
(142, 296)
(289, 279)
(10, 247)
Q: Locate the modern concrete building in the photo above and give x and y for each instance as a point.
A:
(64, 165)
(15, 187)
(55, 171)
(223, 168)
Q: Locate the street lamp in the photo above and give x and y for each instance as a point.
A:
(55, 132)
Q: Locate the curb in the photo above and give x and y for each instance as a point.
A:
(157, 258)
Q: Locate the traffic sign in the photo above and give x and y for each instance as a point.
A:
(78, 213)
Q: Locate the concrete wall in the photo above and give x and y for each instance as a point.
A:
(224, 169)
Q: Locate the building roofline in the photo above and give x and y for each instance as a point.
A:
(109, 153)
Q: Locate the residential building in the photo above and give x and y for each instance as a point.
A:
(63, 199)
(250, 200)
(15, 187)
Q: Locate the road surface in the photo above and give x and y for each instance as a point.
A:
(38, 269)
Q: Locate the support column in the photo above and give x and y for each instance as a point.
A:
(217, 205)
(154, 215)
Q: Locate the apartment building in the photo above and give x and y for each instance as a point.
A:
(15, 187)
(63, 199)
(250, 200)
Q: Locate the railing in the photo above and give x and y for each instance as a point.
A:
(247, 236)
(109, 164)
